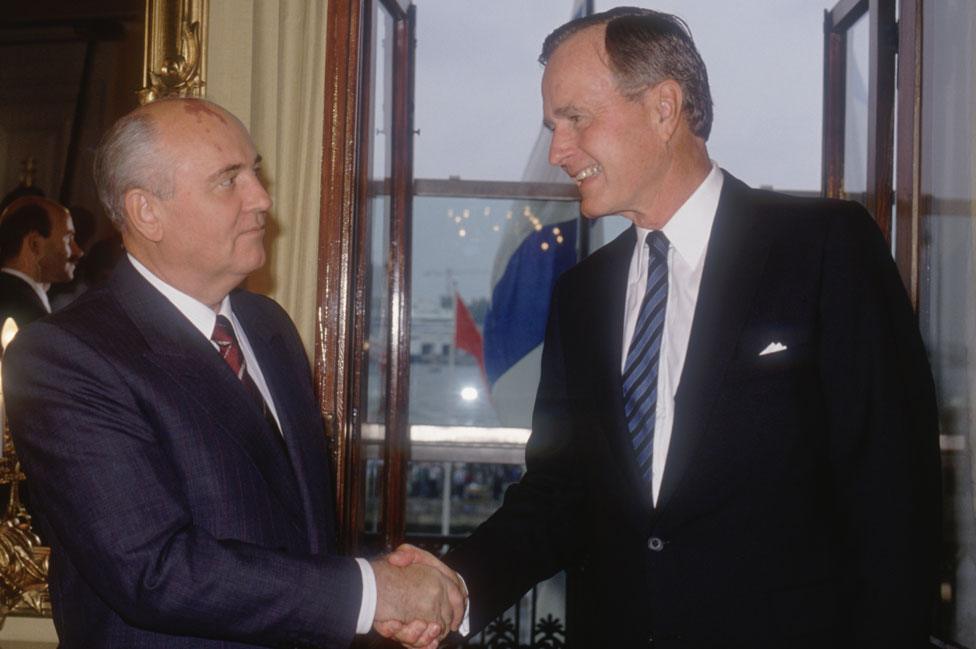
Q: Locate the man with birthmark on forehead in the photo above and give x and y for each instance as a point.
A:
(735, 437)
(169, 430)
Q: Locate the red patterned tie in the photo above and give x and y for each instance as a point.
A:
(230, 351)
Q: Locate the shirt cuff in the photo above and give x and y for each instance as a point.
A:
(367, 607)
(465, 627)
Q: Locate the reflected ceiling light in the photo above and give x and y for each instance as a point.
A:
(469, 393)
(544, 245)
(462, 232)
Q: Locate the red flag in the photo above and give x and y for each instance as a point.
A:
(466, 334)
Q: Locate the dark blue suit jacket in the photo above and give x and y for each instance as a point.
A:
(176, 517)
(799, 505)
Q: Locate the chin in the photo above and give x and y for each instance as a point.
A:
(256, 262)
(591, 210)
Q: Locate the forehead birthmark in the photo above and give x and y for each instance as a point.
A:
(199, 109)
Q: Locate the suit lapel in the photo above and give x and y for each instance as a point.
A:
(303, 434)
(734, 260)
(177, 348)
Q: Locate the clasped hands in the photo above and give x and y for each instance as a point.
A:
(418, 598)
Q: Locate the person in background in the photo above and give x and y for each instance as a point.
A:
(37, 249)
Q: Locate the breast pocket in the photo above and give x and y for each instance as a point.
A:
(769, 350)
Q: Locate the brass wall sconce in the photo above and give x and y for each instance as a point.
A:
(23, 560)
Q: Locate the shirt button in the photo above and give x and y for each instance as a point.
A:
(655, 544)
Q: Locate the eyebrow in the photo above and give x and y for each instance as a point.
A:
(230, 169)
(563, 111)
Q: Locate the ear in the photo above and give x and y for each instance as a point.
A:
(142, 213)
(34, 243)
(666, 99)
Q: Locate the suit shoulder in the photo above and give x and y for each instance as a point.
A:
(254, 307)
(773, 203)
(813, 217)
(259, 304)
(94, 321)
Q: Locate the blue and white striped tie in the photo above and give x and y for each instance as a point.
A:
(640, 369)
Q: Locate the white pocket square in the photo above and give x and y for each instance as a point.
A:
(773, 348)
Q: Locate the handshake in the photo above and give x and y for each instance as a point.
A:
(418, 598)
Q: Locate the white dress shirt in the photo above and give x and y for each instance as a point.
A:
(40, 289)
(203, 318)
(688, 232)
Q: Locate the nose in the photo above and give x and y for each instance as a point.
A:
(558, 147)
(74, 251)
(258, 197)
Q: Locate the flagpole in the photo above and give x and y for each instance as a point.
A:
(453, 354)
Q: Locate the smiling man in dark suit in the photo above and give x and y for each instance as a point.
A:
(735, 437)
(169, 430)
(37, 249)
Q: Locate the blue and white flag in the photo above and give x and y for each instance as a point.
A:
(536, 248)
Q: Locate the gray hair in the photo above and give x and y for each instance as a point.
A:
(646, 47)
(128, 157)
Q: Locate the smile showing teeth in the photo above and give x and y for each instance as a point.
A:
(586, 173)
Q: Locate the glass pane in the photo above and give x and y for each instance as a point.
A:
(471, 493)
(947, 313)
(856, 111)
(478, 103)
(482, 271)
(482, 274)
(378, 218)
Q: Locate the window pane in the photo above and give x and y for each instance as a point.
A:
(478, 102)
(493, 261)
(856, 111)
(947, 310)
(378, 219)
(483, 265)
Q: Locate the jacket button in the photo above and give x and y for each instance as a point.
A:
(655, 544)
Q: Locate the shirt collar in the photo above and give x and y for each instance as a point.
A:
(689, 228)
(199, 314)
(40, 289)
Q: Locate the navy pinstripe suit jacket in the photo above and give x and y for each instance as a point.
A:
(176, 517)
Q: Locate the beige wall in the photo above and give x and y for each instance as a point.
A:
(266, 64)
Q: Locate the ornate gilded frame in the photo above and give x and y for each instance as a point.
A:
(175, 53)
(175, 49)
